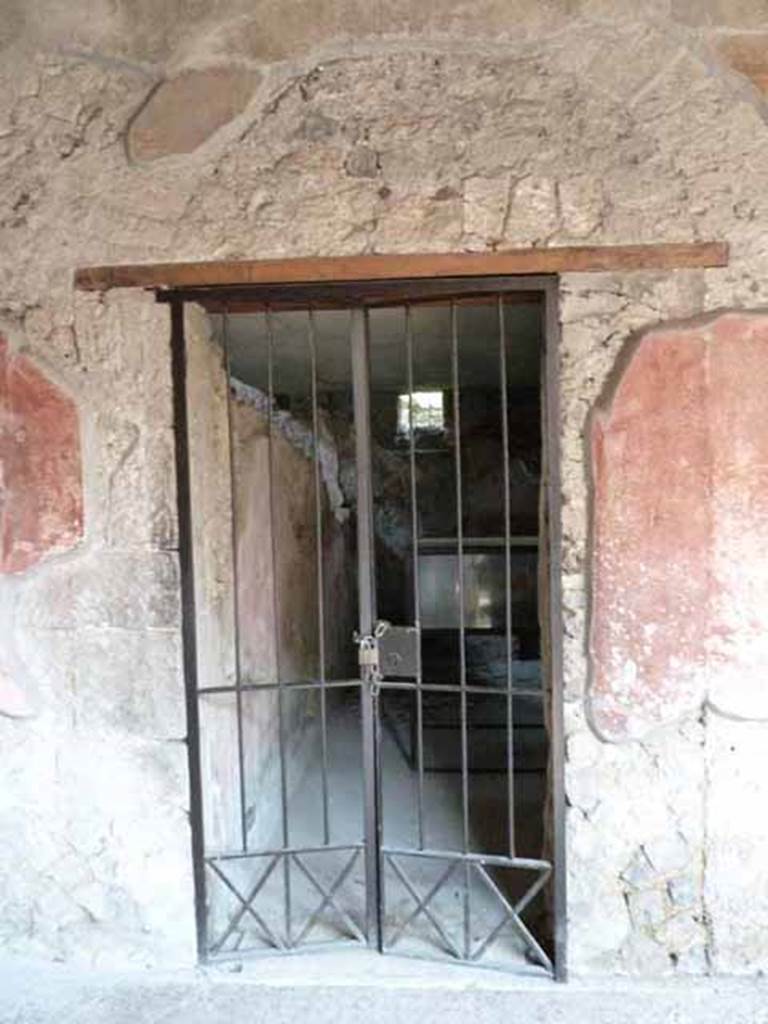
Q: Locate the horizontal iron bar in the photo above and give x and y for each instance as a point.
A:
(281, 851)
(294, 302)
(524, 863)
(495, 543)
(488, 691)
(341, 294)
(262, 952)
(521, 969)
(296, 685)
(399, 684)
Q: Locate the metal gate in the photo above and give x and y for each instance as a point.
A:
(359, 779)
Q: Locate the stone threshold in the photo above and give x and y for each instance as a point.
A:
(350, 987)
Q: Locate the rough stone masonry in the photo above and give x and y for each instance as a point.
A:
(179, 131)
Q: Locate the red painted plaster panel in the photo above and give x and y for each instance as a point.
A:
(41, 499)
(680, 529)
(738, 642)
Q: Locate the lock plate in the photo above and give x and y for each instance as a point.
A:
(399, 652)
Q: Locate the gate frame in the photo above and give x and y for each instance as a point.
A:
(324, 294)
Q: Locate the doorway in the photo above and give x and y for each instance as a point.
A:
(377, 767)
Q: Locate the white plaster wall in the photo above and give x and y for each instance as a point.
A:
(497, 126)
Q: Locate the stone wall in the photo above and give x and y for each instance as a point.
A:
(437, 127)
(91, 640)
(650, 816)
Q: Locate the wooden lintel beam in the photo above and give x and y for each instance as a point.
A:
(556, 260)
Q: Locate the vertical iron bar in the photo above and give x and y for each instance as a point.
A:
(507, 575)
(235, 591)
(462, 637)
(188, 616)
(273, 520)
(312, 338)
(367, 612)
(416, 582)
(553, 541)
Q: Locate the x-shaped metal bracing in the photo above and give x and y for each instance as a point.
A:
(328, 898)
(511, 912)
(246, 905)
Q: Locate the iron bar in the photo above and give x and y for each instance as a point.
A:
(507, 575)
(283, 850)
(188, 616)
(367, 616)
(416, 581)
(488, 691)
(267, 952)
(312, 339)
(552, 615)
(472, 544)
(235, 588)
(385, 684)
(298, 684)
(522, 971)
(497, 860)
(462, 638)
(346, 294)
(273, 520)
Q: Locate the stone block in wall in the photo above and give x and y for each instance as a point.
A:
(485, 205)
(680, 530)
(635, 856)
(133, 481)
(533, 214)
(41, 497)
(130, 483)
(114, 589)
(128, 683)
(125, 336)
(79, 879)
